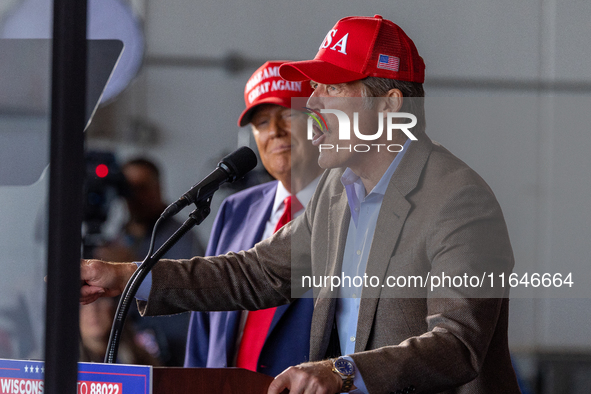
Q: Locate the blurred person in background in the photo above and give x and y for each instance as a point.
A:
(145, 204)
(95, 326)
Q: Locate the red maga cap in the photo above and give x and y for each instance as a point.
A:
(266, 86)
(358, 47)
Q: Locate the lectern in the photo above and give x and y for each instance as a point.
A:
(99, 378)
(209, 381)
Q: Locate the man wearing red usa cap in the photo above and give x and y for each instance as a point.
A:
(428, 224)
(395, 222)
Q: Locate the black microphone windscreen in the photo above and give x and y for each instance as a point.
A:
(240, 162)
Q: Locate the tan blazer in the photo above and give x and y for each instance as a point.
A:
(438, 218)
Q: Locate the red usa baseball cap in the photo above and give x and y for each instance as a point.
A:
(358, 47)
(266, 86)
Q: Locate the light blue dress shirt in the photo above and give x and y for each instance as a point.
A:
(364, 216)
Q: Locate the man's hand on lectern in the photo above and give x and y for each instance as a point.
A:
(315, 377)
(103, 279)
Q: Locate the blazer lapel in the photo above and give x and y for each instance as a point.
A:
(258, 214)
(338, 226)
(325, 304)
(391, 218)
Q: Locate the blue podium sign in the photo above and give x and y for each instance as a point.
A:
(26, 377)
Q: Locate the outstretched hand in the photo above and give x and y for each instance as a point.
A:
(308, 378)
(102, 279)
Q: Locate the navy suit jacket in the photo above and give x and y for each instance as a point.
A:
(211, 342)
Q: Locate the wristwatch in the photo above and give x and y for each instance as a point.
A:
(346, 370)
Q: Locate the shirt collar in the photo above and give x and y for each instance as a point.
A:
(304, 196)
(382, 185)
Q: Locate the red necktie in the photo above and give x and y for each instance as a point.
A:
(292, 205)
(258, 322)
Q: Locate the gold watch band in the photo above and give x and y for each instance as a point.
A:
(347, 384)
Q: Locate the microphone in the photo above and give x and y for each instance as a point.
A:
(231, 168)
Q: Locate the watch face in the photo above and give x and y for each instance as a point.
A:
(344, 367)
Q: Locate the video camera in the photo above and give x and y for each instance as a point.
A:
(104, 182)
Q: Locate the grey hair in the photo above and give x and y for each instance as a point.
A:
(374, 87)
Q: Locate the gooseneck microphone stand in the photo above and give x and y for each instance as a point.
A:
(232, 167)
(195, 218)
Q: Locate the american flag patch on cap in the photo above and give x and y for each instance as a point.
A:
(388, 62)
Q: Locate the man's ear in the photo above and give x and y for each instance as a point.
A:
(392, 101)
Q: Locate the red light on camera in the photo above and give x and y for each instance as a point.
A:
(101, 170)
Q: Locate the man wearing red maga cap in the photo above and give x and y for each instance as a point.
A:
(274, 339)
(414, 212)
